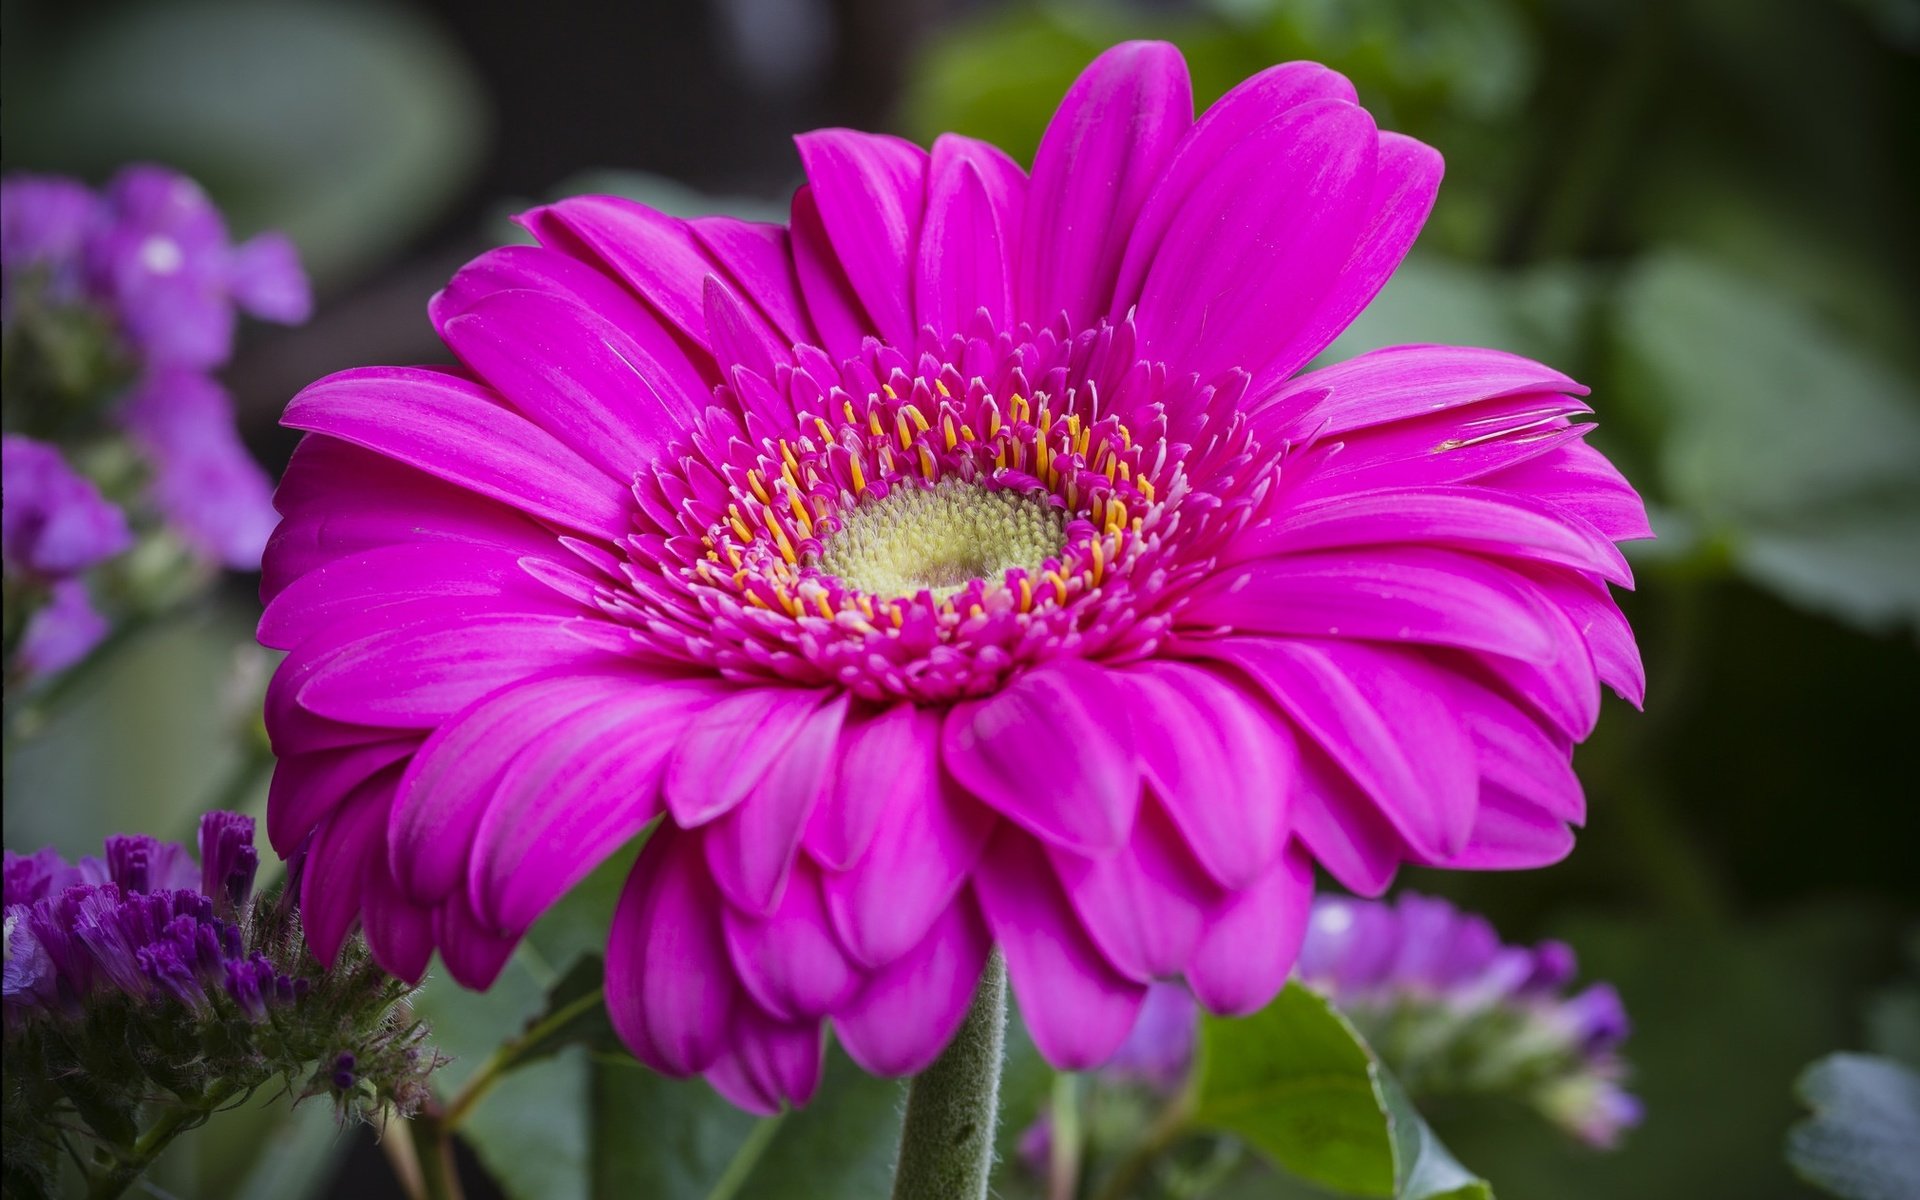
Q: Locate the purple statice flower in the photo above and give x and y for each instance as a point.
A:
(144, 921)
(204, 481)
(162, 261)
(1451, 1007)
(56, 524)
(44, 224)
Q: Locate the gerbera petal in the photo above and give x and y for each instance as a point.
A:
(1075, 1004)
(1101, 156)
(790, 962)
(976, 198)
(1050, 755)
(1217, 135)
(832, 304)
(1580, 480)
(1399, 382)
(1145, 904)
(758, 259)
(909, 1009)
(871, 191)
(654, 254)
(1516, 524)
(1381, 715)
(925, 845)
(767, 1063)
(1406, 180)
(671, 993)
(450, 780)
(351, 836)
(1253, 937)
(751, 848)
(307, 787)
(576, 794)
(1389, 594)
(889, 759)
(728, 749)
(1345, 830)
(474, 954)
(1292, 198)
(1221, 762)
(399, 932)
(459, 432)
(677, 370)
(1511, 833)
(575, 374)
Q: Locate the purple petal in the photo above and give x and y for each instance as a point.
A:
(751, 848)
(909, 1009)
(1047, 752)
(1077, 1006)
(1253, 937)
(871, 192)
(307, 787)
(768, 1063)
(1106, 147)
(63, 632)
(265, 279)
(671, 992)
(790, 961)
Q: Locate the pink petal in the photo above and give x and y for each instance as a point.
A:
(399, 932)
(924, 847)
(1292, 197)
(576, 375)
(1406, 180)
(790, 961)
(768, 1063)
(1382, 715)
(1253, 938)
(1076, 1005)
(1222, 763)
(1050, 754)
(729, 748)
(975, 201)
(1218, 134)
(679, 370)
(1106, 147)
(474, 954)
(1512, 834)
(1580, 480)
(871, 192)
(1476, 518)
(831, 302)
(1145, 905)
(1345, 830)
(577, 793)
(886, 760)
(308, 787)
(751, 848)
(909, 1009)
(1400, 382)
(758, 259)
(459, 432)
(654, 254)
(671, 992)
(740, 339)
(333, 883)
(1599, 619)
(1388, 594)
(450, 781)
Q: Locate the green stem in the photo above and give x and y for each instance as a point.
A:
(433, 1149)
(946, 1140)
(508, 1056)
(130, 1164)
(745, 1159)
(1063, 1156)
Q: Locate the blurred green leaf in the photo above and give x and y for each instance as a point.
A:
(1538, 312)
(678, 1140)
(1863, 1140)
(1779, 437)
(347, 125)
(1297, 1083)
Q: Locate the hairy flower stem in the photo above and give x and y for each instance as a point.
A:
(946, 1141)
(133, 1162)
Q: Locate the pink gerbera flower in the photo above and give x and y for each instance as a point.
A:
(966, 564)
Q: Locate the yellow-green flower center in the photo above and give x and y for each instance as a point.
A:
(938, 539)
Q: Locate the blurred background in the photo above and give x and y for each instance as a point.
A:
(1704, 209)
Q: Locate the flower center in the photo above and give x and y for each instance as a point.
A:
(938, 538)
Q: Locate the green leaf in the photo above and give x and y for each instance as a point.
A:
(1537, 312)
(678, 1140)
(1796, 449)
(1863, 1140)
(1296, 1082)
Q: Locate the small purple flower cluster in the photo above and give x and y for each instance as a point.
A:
(128, 296)
(1450, 1007)
(143, 921)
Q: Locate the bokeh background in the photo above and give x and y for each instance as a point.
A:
(1705, 209)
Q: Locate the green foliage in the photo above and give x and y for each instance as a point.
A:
(1300, 1086)
(1863, 1140)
